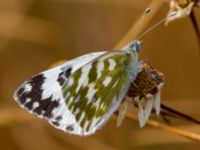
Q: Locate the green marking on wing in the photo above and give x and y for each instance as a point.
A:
(93, 109)
(93, 72)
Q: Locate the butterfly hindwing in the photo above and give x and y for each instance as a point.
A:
(95, 90)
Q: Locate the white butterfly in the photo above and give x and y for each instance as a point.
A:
(79, 96)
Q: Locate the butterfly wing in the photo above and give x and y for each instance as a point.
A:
(80, 95)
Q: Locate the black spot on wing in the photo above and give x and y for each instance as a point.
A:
(68, 72)
(62, 77)
(21, 90)
(28, 98)
(51, 106)
(55, 123)
(70, 128)
(58, 118)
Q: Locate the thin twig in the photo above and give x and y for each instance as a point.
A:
(183, 133)
(179, 114)
(195, 26)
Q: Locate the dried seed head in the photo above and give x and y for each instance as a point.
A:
(146, 82)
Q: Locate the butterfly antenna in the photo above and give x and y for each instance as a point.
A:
(146, 11)
(155, 25)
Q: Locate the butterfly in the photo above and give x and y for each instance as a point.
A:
(80, 95)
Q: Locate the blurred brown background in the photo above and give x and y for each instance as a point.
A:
(36, 33)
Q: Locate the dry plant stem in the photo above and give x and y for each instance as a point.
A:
(176, 113)
(136, 30)
(186, 134)
(196, 28)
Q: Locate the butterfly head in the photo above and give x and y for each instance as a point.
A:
(135, 46)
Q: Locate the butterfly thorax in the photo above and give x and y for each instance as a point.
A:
(133, 50)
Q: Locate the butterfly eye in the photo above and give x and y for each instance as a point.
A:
(136, 46)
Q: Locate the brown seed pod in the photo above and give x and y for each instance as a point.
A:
(146, 82)
(144, 93)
